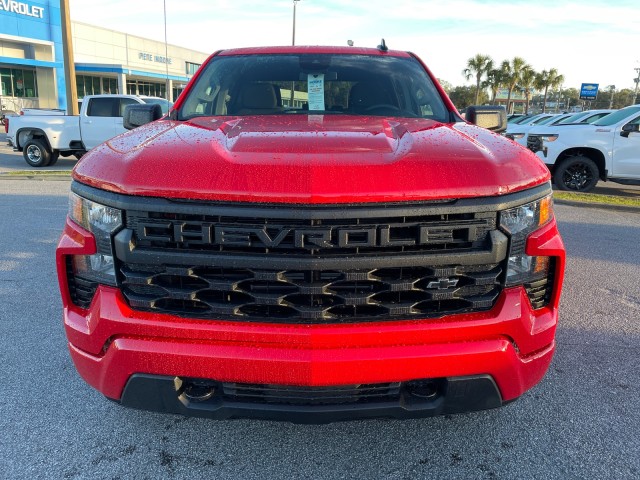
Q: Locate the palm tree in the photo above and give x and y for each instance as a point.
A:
(478, 66)
(528, 83)
(546, 80)
(512, 72)
(493, 82)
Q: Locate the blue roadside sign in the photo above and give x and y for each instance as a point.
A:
(588, 91)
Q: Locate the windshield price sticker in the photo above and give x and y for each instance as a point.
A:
(315, 82)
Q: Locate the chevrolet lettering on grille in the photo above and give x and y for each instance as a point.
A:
(247, 236)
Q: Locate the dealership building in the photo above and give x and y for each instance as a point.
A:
(106, 61)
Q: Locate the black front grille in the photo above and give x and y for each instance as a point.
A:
(534, 143)
(297, 264)
(311, 296)
(289, 395)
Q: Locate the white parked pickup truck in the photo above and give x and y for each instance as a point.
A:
(42, 138)
(580, 155)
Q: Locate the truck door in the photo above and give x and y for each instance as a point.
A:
(626, 153)
(99, 124)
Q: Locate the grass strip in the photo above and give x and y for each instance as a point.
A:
(596, 198)
(38, 173)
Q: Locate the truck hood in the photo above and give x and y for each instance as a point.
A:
(310, 159)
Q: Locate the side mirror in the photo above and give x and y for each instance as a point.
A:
(140, 114)
(629, 128)
(492, 117)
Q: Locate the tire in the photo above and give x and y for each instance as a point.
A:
(53, 159)
(576, 174)
(36, 154)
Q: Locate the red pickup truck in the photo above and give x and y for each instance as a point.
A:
(311, 234)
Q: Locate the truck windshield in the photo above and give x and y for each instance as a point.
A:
(615, 117)
(314, 84)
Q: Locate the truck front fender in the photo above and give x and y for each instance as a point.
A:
(594, 154)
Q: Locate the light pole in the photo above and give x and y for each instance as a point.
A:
(166, 53)
(293, 37)
(293, 42)
(637, 80)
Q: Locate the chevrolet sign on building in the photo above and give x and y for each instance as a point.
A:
(21, 8)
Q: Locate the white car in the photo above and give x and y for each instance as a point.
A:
(588, 116)
(533, 140)
(579, 155)
(522, 133)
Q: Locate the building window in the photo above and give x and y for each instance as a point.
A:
(90, 85)
(191, 68)
(109, 85)
(137, 87)
(177, 90)
(18, 82)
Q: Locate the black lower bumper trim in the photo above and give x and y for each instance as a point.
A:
(208, 400)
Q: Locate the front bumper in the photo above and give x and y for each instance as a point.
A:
(480, 360)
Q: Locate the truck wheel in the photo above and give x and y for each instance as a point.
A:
(36, 154)
(577, 173)
(53, 159)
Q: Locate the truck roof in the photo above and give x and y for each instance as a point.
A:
(310, 49)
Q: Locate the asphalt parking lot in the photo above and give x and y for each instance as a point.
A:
(581, 421)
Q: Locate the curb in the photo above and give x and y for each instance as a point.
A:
(57, 176)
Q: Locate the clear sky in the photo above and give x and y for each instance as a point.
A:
(586, 41)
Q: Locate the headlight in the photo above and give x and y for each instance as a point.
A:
(519, 222)
(517, 136)
(102, 221)
(549, 138)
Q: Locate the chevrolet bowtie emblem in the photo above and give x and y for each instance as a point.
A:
(443, 283)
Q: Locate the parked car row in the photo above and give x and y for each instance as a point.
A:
(583, 148)
(520, 128)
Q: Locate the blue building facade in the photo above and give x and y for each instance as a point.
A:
(31, 54)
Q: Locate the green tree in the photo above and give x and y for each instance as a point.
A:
(548, 79)
(527, 83)
(446, 86)
(623, 97)
(512, 72)
(573, 96)
(464, 96)
(478, 67)
(494, 80)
